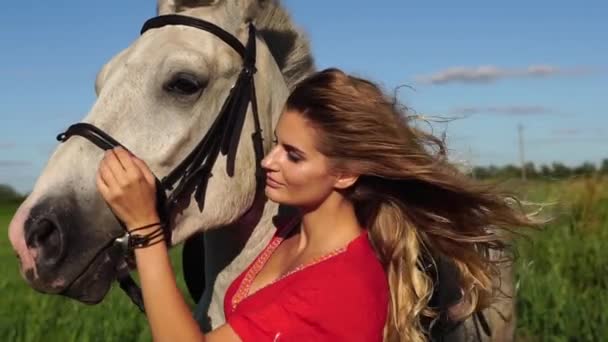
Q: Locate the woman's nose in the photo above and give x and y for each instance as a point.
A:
(268, 161)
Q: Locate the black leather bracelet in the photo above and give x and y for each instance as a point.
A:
(145, 240)
(129, 241)
(146, 226)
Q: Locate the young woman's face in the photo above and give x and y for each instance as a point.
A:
(297, 174)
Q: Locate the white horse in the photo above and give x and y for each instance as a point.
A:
(158, 97)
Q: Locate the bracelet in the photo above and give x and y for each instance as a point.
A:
(144, 227)
(147, 240)
(130, 241)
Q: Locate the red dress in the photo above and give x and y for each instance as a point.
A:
(340, 297)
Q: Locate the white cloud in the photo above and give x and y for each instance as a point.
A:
(14, 163)
(491, 73)
(503, 110)
(6, 145)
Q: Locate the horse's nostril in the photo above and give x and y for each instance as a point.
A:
(46, 238)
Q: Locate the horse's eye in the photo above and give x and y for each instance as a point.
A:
(183, 84)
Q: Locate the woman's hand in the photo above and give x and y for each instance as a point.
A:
(128, 186)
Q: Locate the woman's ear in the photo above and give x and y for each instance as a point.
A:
(344, 181)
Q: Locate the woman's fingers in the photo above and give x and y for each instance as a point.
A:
(132, 172)
(112, 163)
(128, 187)
(145, 170)
(107, 176)
(101, 184)
(119, 161)
(122, 168)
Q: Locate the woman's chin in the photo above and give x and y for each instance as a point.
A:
(271, 194)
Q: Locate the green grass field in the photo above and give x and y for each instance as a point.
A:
(26, 315)
(562, 277)
(562, 272)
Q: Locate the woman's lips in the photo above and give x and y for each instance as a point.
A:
(272, 183)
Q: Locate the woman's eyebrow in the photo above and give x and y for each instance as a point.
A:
(289, 147)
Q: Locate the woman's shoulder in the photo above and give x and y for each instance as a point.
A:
(361, 263)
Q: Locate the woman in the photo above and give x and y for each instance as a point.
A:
(377, 203)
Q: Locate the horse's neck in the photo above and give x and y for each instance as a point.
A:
(228, 251)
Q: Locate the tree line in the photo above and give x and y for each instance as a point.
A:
(554, 171)
(9, 195)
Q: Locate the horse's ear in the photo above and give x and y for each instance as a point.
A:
(175, 6)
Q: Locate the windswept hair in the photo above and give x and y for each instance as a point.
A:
(415, 204)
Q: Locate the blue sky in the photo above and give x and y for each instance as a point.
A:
(543, 65)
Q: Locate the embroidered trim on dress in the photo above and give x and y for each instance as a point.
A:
(245, 285)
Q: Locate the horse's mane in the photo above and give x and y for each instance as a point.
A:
(287, 43)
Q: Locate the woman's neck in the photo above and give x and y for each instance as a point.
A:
(329, 226)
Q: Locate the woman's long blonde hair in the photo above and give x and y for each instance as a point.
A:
(414, 203)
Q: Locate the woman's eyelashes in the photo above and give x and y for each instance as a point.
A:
(294, 157)
(291, 155)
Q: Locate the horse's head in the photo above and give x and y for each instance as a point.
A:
(158, 98)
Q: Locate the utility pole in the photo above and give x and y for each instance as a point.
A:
(522, 158)
(472, 163)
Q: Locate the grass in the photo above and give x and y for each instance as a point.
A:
(28, 316)
(561, 272)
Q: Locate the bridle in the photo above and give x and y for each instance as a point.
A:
(193, 173)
